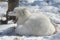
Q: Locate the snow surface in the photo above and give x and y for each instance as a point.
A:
(3, 8)
(7, 30)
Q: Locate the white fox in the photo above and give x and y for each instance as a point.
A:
(33, 24)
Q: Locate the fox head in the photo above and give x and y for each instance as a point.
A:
(22, 12)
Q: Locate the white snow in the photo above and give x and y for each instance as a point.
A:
(30, 1)
(3, 18)
(3, 8)
(57, 1)
(7, 30)
(4, 27)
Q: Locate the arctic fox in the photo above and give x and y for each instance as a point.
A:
(33, 24)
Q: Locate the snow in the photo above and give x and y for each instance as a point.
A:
(29, 1)
(57, 1)
(39, 3)
(3, 8)
(7, 30)
(3, 18)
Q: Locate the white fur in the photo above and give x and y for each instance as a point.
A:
(33, 24)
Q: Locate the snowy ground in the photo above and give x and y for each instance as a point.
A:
(7, 30)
